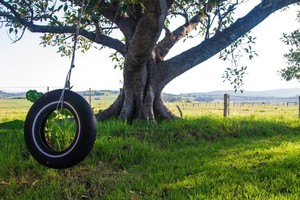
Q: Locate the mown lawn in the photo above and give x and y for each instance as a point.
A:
(208, 157)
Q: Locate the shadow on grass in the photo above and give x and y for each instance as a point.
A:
(206, 158)
(12, 125)
(203, 158)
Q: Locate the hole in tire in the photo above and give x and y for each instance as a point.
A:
(60, 130)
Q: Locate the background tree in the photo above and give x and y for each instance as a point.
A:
(292, 70)
(147, 38)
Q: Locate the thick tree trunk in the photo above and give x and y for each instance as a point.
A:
(139, 99)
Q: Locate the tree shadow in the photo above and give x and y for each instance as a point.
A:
(11, 125)
(209, 157)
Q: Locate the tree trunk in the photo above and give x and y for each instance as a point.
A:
(139, 99)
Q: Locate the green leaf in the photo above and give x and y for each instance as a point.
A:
(60, 7)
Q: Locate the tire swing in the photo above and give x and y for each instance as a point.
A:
(60, 127)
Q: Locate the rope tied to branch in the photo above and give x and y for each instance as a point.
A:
(76, 36)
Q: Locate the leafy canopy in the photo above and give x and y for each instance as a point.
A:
(58, 19)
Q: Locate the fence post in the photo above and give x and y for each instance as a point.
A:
(90, 96)
(226, 105)
(299, 107)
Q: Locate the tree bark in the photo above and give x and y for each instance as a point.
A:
(138, 91)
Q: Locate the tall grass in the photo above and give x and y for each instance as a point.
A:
(208, 157)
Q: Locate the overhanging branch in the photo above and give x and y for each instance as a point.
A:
(170, 69)
(28, 22)
(171, 38)
(97, 38)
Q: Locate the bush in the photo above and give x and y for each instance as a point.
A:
(33, 95)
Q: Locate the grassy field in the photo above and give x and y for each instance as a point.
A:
(11, 109)
(204, 157)
(235, 109)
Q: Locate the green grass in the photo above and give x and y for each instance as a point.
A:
(11, 109)
(208, 157)
(16, 109)
(235, 109)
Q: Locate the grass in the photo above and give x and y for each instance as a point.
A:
(235, 109)
(204, 156)
(208, 157)
(11, 109)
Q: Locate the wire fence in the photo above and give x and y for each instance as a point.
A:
(37, 88)
(99, 100)
(234, 109)
(226, 108)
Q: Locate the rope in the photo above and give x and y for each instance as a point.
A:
(68, 77)
(77, 30)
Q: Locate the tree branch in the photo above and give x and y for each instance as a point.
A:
(170, 3)
(16, 16)
(28, 23)
(97, 38)
(179, 64)
(126, 24)
(165, 45)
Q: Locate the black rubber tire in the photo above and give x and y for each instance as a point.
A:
(85, 134)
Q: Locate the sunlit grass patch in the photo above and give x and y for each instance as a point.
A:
(13, 109)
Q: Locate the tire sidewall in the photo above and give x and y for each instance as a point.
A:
(83, 141)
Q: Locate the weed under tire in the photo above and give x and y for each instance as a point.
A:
(60, 135)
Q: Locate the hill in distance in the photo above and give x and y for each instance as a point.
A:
(280, 93)
(277, 95)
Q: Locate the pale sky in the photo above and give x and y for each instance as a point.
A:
(28, 65)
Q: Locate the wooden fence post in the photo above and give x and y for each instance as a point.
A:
(299, 107)
(90, 96)
(226, 105)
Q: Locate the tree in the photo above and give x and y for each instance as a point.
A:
(292, 70)
(147, 39)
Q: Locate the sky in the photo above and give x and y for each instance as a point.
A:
(27, 65)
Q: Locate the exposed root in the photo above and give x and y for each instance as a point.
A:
(114, 110)
(180, 112)
(151, 110)
(161, 111)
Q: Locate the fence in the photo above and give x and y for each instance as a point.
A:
(238, 108)
(38, 88)
(222, 108)
(277, 107)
